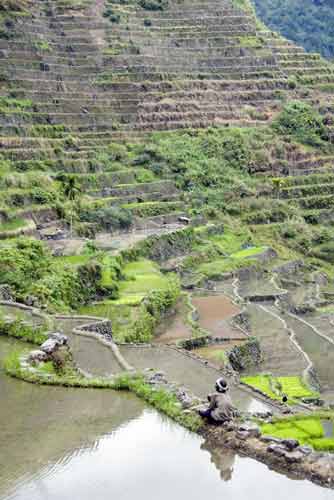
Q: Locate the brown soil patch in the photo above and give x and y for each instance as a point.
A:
(174, 327)
(214, 314)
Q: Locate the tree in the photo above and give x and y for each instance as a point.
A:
(72, 191)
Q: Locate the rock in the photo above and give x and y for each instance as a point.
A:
(243, 435)
(37, 356)
(59, 337)
(294, 456)
(6, 293)
(184, 398)
(158, 378)
(277, 449)
(53, 343)
(263, 414)
(270, 439)
(306, 450)
(31, 301)
(229, 426)
(250, 428)
(184, 220)
(49, 346)
(290, 444)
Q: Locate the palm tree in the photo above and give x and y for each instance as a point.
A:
(72, 190)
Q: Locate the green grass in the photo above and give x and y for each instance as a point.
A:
(276, 387)
(142, 277)
(19, 329)
(223, 265)
(294, 387)
(231, 240)
(72, 260)
(249, 252)
(262, 383)
(12, 224)
(307, 429)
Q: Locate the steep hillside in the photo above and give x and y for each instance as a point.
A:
(309, 22)
(84, 85)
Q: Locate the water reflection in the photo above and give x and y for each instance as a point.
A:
(152, 458)
(223, 459)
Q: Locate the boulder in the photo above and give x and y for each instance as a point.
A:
(53, 343)
(184, 398)
(6, 293)
(59, 337)
(251, 429)
(294, 456)
(306, 450)
(243, 435)
(277, 449)
(37, 356)
(290, 444)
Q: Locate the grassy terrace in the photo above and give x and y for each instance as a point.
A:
(315, 431)
(134, 312)
(12, 224)
(277, 387)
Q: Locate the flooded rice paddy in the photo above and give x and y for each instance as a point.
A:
(63, 444)
(60, 444)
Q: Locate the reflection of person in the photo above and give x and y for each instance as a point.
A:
(222, 458)
(220, 407)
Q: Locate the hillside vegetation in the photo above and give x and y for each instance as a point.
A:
(136, 116)
(309, 23)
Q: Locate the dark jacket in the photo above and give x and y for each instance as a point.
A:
(221, 406)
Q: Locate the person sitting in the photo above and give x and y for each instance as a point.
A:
(220, 407)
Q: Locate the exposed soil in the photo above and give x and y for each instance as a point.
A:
(174, 327)
(215, 311)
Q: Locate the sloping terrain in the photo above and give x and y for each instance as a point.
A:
(184, 133)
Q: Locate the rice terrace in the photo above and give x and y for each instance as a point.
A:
(166, 250)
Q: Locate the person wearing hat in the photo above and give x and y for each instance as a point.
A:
(220, 407)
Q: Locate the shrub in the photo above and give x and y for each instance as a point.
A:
(23, 331)
(108, 217)
(153, 4)
(300, 120)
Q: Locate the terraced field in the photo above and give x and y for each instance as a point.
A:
(158, 159)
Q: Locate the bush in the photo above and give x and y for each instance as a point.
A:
(108, 217)
(23, 331)
(153, 4)
(300, 120)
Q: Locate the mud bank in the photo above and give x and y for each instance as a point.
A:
(284, 456)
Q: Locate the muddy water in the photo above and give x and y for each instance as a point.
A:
(23, 314)
(280, 355)
(89, 355)
(259, 286)
(195, 376)
(65, 444)
(320, 350)
(215, 313)
(41, 427)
